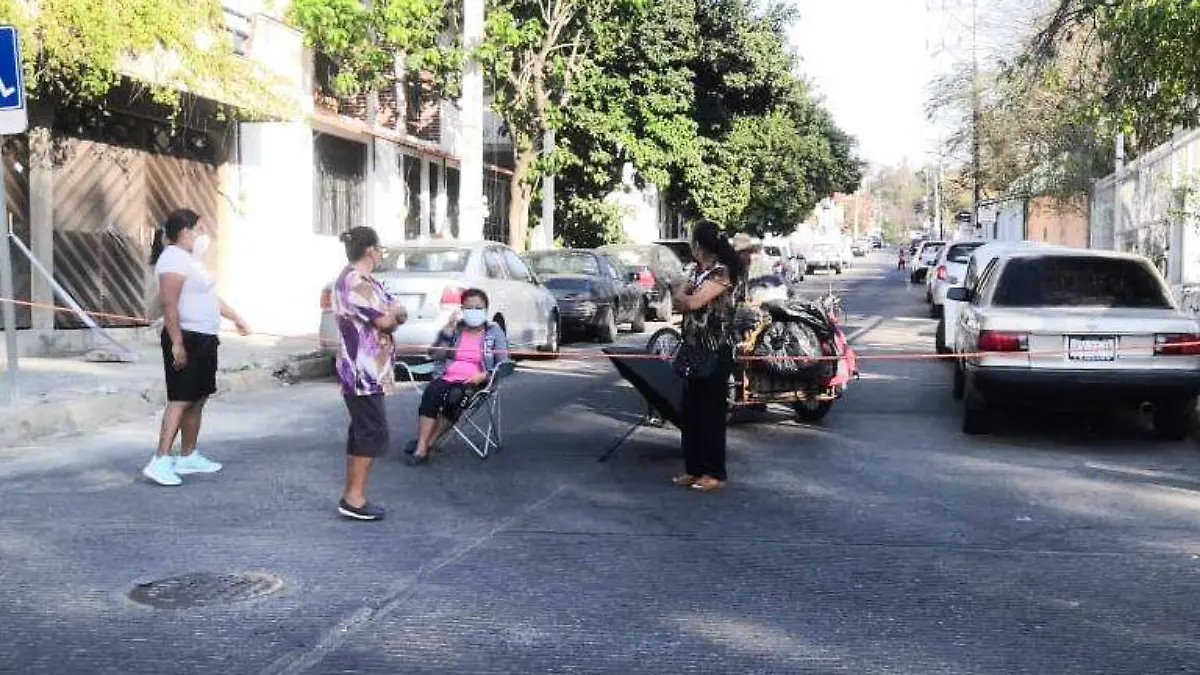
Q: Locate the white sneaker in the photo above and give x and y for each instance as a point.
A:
(195, 463)
(161, 470)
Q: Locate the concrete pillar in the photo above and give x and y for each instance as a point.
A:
(41, 223)
(543, 235)
(470, 190)
(426, 200)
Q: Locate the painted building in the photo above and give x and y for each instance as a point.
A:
(88, 187)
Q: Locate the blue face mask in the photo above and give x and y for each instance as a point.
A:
(474, 318)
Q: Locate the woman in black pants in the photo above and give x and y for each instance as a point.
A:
(707, 303)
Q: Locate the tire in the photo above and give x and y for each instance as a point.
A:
(810, 270)
(960, 382)
(838, 269)
(606, 332)
(977, 418)
(929, 301)
(812, 412)
(939, 338)
(553, 345)
(638, 325)
(663, 342)
(1173, 419)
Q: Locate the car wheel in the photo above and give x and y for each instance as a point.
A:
(838, 269)
(606, 332)
(810, 411)
(553, 337)
(929, 300)
(977, 418)
(1173, 419)
(939, 338)
(810, 270)
(960, 382)
(638, 325)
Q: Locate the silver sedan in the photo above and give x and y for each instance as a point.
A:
(429, 279)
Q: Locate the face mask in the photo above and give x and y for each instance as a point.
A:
(201, 245)
(474, 318)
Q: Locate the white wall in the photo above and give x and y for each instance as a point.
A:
(272, 265)
(1010, 220)
(386, 188)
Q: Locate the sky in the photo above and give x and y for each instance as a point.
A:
(869, 60)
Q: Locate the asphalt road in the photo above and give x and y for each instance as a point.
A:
(881, 541)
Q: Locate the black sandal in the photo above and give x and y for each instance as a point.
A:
(411, 448)
(417, 460)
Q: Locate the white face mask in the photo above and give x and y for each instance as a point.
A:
(201, 245)
(474, 318)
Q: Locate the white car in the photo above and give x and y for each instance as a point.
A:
(429, 279)
(948, 270)
(923, 259)
(1075, 329)
(947, 329)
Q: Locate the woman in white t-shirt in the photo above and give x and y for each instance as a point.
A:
(192, 315)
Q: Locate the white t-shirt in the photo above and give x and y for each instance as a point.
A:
(199, 306)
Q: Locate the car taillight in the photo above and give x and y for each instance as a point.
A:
(941, 273)
(452, 295)
(646, 279)
(326, 299)
(997, 341)
(1177, 344)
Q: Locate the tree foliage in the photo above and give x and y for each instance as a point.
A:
(364, 39)
(1145, 57)
(702, 97)
(78, 51)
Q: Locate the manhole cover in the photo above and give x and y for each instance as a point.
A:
(202, 588)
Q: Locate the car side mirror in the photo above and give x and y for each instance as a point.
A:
(958, 294)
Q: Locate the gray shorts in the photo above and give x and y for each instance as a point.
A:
(368, 433)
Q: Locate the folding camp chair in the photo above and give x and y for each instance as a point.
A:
(478, 420)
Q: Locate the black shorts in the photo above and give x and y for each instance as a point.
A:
(368, 434)
(442, 399)
(198, 379)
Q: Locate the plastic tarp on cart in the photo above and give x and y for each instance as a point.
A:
(654, 378)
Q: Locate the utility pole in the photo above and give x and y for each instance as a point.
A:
(976, 117)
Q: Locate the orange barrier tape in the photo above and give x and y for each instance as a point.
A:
(421, 350)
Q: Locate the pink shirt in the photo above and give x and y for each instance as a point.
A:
(468, 358)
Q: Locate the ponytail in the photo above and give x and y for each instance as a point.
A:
(169, 231)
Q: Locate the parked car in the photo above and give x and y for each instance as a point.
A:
(595, 293)
(923, 259)
(429, 279)
(947, 271)
(947, 328)
(1075, 329)
(824, 256)
(657, 268)
(682, 248)
(786, 264)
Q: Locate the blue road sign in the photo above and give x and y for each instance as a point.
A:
(12, 79)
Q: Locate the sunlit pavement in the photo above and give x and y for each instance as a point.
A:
(880, 541)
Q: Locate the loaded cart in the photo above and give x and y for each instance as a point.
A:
(790, 352)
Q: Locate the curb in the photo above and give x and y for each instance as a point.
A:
(89, 414)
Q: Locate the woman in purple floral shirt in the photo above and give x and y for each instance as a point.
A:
(366, 317)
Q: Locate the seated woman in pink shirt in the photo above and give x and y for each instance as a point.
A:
(466, 351)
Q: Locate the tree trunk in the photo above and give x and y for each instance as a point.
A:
(520, 197)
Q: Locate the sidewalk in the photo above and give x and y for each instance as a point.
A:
(71, 394)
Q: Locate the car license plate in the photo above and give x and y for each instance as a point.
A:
(1092, 348)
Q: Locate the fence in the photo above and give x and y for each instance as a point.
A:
(1151, 209)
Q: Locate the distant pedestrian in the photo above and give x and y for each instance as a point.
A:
(705, 358)
(192, 314)
(366, 316)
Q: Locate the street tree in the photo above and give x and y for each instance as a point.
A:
(1144, 54)
(533, 56)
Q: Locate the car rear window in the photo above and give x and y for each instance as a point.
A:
(425, 259)
(931, 251)
(1078, 281)
(632, 257)
(565, 262)
(961, 253)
